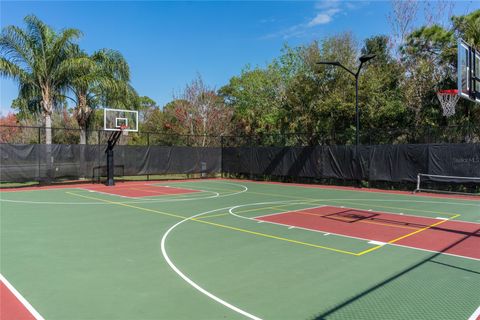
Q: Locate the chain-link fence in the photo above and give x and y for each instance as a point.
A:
(419, 135)
(444, 134)
(37, 135)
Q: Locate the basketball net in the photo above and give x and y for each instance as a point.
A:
(124, 130)
(448, 100)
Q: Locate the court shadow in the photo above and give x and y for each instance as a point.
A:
(364, 294)
(356, 215)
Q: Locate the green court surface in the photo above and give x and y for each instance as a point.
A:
(74, 253)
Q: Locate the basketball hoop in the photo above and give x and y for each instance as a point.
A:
(448, 100)
(124, 130)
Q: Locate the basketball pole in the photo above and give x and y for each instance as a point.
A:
(112, 141)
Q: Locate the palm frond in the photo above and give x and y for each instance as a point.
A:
(72, 68)
(11, 70)
(16, 46)
(113, 63)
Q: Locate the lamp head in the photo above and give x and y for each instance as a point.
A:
(367, 57)
(333, 63)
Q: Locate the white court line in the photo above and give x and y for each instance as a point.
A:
(106, 193)
(389, 212)
(281, 212)
(349, 208)
(368, 240)
(20, 298)
(377, 243)
(238, 192)
(141, 197)
(360, 191)
(216, 195)
(190, 281)
(318, 231)
(419, 201)
(475, 315)
(156, 200)
(171, 187)
(338, 234)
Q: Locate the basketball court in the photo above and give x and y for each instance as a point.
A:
(235, 249)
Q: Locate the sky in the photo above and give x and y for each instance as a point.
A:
(167, 44)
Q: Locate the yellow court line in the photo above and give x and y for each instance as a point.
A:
(345, 219)
(275, 207)
(423, 229)
(388, 225)
(390, 207)
(127, 205)
(256, 209)
(185, 194)
(218, 225)
(408, 235)
(151, 191)
(213, 215)
(267, 194)
(348, 201)
(275, 237)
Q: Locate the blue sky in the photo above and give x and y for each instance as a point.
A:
(168, 43)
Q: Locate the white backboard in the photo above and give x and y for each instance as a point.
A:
(114, 119)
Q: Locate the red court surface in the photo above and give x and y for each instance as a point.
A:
(81, 184)
(10, 307)
(446, 236)
(137, 190)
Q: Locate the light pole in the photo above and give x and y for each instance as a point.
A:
(363, 59)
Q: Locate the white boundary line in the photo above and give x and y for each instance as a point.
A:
(148, 197)
(414, 201)
(20, 298)
(190, 281)
(283, 184)
(389, 212)
(106, 193)
(287, 225)
(475, 315)
(338, 234)
(296, 210)
(216, 195)
(369, 240)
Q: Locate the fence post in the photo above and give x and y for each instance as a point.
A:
(148, 144)
(221, 156)
(39, 135)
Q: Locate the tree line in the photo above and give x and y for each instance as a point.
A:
(291, 94)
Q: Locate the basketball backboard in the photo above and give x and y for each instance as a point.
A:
(115, 119)
(468, 72)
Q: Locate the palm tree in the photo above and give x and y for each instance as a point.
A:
(107, 74)
(37, 57)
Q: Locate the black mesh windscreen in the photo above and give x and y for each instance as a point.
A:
(390, 163)
(40, 162)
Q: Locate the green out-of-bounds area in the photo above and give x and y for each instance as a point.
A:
(77, 254)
